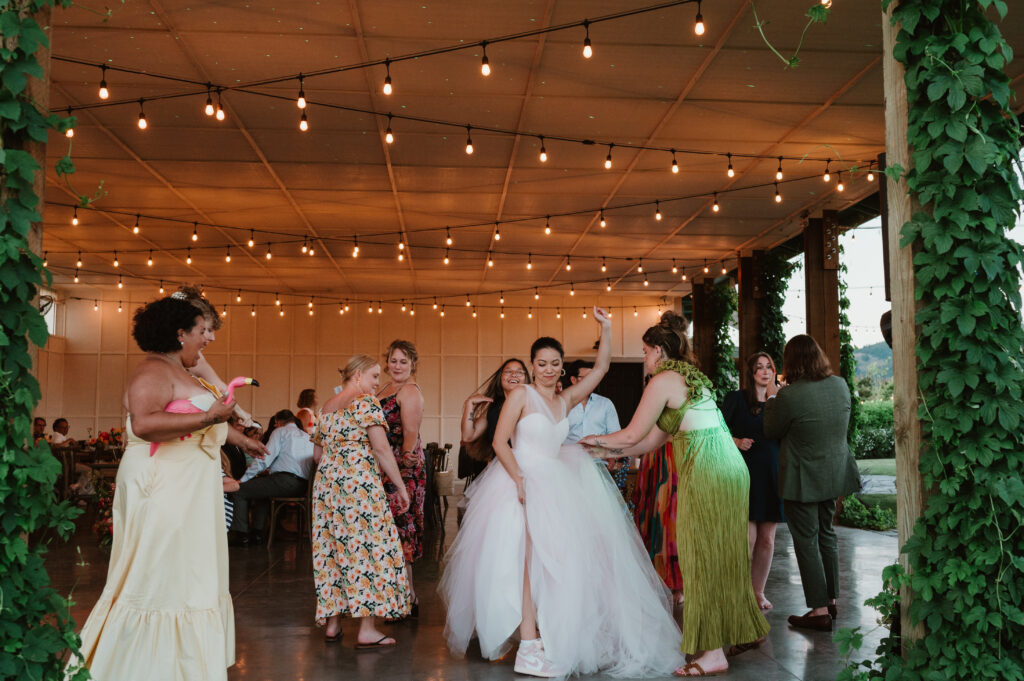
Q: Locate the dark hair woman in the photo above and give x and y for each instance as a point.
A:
(743, 411)
(176, 484)
(713, 486)
(809, 417)
(481, 409)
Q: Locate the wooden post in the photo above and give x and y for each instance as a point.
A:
(909, 493)
(703, 331)
(821, 277)
(749, 312)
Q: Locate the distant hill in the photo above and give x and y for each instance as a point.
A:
(874, 360)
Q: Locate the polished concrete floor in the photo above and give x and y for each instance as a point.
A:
(277, 639)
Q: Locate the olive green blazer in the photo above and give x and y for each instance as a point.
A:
(810, 419)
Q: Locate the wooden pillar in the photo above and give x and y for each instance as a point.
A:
(749, 313)
(703, 331)
(821, 278)
(900, 206)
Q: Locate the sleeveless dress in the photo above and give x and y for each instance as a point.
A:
(414, 475)
(600, 605)
(165, 612)
(762, 458)
(711, 528)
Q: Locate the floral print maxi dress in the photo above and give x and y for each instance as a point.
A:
(414, 475)
(358, 565)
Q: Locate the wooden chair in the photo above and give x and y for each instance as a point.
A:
(304, 506)
(444, 483)
(431, 505)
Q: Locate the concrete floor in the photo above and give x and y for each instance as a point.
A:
(277, 639)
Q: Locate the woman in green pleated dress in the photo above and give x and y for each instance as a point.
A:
(712, 497)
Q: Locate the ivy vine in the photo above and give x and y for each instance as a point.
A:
(967, 550)
(847, 359)
(772, 283)
(36, 629)
(818, 13)
(722, 303)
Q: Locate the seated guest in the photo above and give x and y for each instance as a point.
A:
(38, 429)
(287, 466)
(60, 438)
(237, 462)
(307, 409)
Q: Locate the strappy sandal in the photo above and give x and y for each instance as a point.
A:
(379, 643)
(333, 639)
(700, 671)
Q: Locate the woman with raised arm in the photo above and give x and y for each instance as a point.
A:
(711, 528)
(547, 548)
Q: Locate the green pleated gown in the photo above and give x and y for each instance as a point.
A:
(711, 523)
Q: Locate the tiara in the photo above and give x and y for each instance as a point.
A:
(178, 295)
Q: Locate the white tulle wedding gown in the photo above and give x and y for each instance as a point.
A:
(600, 604)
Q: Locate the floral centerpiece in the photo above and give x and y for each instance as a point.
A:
(108, 440)
(103, 525)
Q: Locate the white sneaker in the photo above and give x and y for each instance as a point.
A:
(531, 661)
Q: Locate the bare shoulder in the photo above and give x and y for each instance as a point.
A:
(410, 391)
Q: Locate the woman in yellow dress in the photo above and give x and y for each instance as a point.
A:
(165, 612)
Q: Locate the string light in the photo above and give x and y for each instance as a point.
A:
(547, 225)
(447, 258)
(312, 251)
(78, 263)
(161, 286)
(442, 310)
(827, 177)
(380, 308)
(70, 132)
(119, 308)
(714, 206)
(117, 263)
(301, 101)
(269, 255)
(675, 268)
(588, 49)
(310, 303)
(724, 270)
(403, 306)
(280, 312)
(448, 236)
(683, 277)
(104, 92)
(543, 151)
(706, 266)
(474, 312)
(208, 110)
(608, 285)
(435, 302)
(469, 140)
(149, 262)
(568, 263)
(485, 66)
(195, 231)
(604, 265)
(584, 313)
(135, 227)
(572, 289)
(640, 266)
(502, 313)
(657, 211)
(490, 259)
(608, 158)
(227, 254)
(355, 247)
(76, 276)
(871, 174)
(604, 223)
(529, 261)
(412, 310)
(387, 77)
(497, 232)
(646, 283)
(778, 196)
(730, 172)
(220, 110)
(252, 313)
(635, 313)
(277, 299)
(238, 296)
(120, 282)
(188, 257)
(74, 217)
(558, 313)
(143, 124)
(778, 172)
(675, 164)
(501, 297)
(389, 137)
(839, 182)
(252, 239)
(536, 293)
(46, 260)
(698, 22)
(95, 306)
(468, 302)
(303, 122)
(529, 315)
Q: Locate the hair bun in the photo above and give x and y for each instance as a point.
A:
(674, 322)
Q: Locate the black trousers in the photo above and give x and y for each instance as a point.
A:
(257, 492)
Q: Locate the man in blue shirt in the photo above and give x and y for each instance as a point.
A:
(595, 415)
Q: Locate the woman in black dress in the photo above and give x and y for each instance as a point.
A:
(744, 414)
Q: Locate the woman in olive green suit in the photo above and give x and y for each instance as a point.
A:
(809, 416)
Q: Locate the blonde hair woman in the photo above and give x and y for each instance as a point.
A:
(357, 556)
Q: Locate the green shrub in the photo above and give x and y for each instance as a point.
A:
(856, 514)
(875, 443)
(876, 414)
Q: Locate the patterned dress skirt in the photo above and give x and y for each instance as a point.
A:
(655, 513)
(414, 475)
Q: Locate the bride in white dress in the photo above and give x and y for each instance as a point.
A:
(548, 551)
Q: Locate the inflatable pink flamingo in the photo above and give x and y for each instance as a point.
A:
(186, 406)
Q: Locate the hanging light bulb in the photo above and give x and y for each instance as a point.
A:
(380, 308)
(502, 313)
(435, 302)
(70, 132)
(558, 313)
(474, 312)
(529, 314)
(547, 225)
(104, 93)
(301, 101)
(117, 263)
(195, 231)
(730, 172)
(277, 299)
(238, 296)
(646, 283)
(280, 312)
(839, 182)
(252, 313)
(675, 268)
(675, 164)
(469, 140)
(588, 49)
(448, 236)
(135, 227)
(584, 313)
(529, 261)
(387, 77)
(572, 288)
(78, 263)
(468, 302)
(723, 268)
(355, 247)
(447, 257)
(778, 172)
(827, 4)
(220, 109)
(403, 306)
(698, 22)
(74, 216)
(604, 223)
(389, 137)
(714, 206)
(95, 306)
(608, 285)
(536, 293)
(119, 308)
(252, 239)
(604, 265)
(143, 124)
(442, 310)
(46, 259)
(188, 257)
(149, 262)
(501, 297)
(871, 175)
(543, 151)
(706, 267)
(497, 232)
(76, 276)
(635, 313)
(827, 177)
(161, 286)
(269, 255)
(310, 303)
(485, 66)
(120, 282)
(778, 196)
(412, 310)
(657, 211)
(227, 254)
(303, 122)
(640, 266)
(608, 158)
(568, 263)
(683, 278)
(490, 259)
(209, 102)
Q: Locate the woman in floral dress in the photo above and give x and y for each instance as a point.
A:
(402, 403)
(358, 565)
